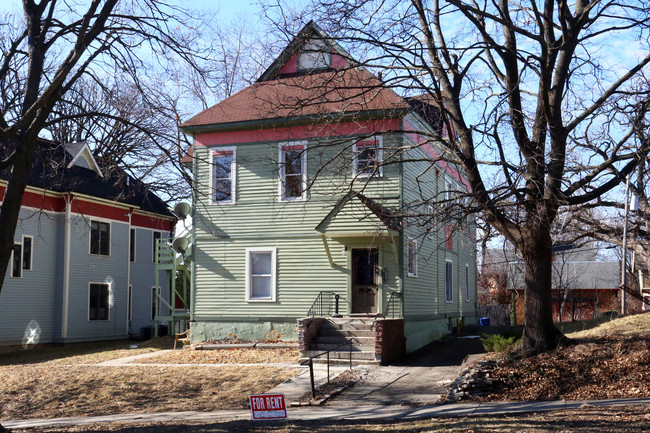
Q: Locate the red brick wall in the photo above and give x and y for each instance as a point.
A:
(307, 330)
(389, 339)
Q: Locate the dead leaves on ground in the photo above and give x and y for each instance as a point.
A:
(613, 366)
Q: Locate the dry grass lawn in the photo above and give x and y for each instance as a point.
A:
(62, 381)
(224, 356)
(586, 420)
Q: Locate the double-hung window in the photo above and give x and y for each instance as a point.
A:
(98, 301)
(28, 242)
(100, 238)
(260, 274)
(155, 237)
(449, 294)
(222, 175)
(17, 261)
(293, 172)
(368, 156)
(412, 258)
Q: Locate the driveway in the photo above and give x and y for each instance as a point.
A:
(418, 378)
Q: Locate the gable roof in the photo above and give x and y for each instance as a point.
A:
(385, 217)
(53, 169)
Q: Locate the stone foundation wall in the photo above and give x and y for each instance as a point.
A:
(245, 330)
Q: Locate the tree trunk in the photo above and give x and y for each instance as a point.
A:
(13, 199)
(540, 334)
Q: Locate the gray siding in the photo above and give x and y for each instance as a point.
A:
(30, 302)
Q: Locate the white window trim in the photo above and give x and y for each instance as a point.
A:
(11, 261)
(233, 175)
(281, 171)
(90, 237)
(408, 258)
(380, 158)
(273, 252)
(104, 283)
(467, 296)
(134, 246)
(31, 255)
(451, 288)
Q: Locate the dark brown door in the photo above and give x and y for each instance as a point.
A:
(364, 280)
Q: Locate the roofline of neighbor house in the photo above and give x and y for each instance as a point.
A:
(297, 120)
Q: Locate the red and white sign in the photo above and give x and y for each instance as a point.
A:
(268, 406)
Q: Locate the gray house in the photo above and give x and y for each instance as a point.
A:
(83, 266)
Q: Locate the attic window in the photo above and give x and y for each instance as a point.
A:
(315, 54)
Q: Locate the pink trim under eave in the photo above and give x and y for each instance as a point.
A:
(430, 150)
(297, 132)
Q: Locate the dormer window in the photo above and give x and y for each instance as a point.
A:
(315, 54)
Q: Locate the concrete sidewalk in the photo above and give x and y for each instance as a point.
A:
(337, 413)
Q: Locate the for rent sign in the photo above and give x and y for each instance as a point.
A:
(268, 406)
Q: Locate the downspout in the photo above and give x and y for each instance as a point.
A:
(66, 265)
(400, 264)
(128, 275)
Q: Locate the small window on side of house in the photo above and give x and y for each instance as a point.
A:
(156, 236)
(17, 261)
(100, 238)
(449, 269)
(132, 245)
(368, 156)
(293, 172)
(222, 175)
(412, 258)
(467, 282)
(28, 242)
(98, 302)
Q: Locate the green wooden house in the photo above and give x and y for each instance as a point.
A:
(307, 189)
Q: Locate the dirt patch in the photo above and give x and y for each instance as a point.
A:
(50, 392)
(344, 380)
(223, 356)
(585, 420)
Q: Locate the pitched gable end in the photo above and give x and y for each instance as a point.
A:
(311, 50)
(82, 157)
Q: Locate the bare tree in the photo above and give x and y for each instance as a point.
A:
(543, 118)
(53, 46)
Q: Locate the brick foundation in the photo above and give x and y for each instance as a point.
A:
(389, 339)
(307, 330)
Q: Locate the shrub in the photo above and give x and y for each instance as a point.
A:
(498, 342)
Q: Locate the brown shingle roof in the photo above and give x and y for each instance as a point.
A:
(325, 93)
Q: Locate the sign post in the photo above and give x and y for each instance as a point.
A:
(268, 406)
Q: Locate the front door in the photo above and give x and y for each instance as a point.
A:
(364, 280)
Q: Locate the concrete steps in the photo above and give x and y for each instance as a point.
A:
(334, 334)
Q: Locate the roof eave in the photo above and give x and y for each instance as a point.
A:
(391, 113)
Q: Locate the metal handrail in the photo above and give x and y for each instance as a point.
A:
(391, 304)
(310, 362)
(321, 304)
